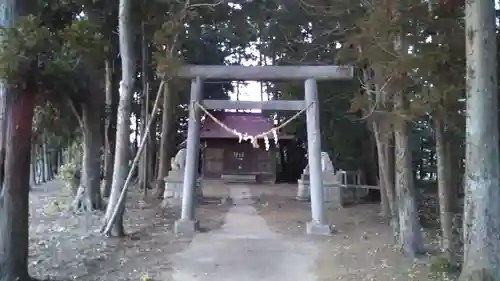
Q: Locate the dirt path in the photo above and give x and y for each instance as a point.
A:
(259, 235)
(361, 250)
(64, 246)
(245, 249)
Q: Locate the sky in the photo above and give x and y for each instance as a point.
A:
(252, 90)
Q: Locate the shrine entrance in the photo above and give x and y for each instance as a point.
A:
(187, 224)
(226, 159)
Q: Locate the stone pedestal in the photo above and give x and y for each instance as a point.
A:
(313, 228)
(333, 193)
(172, 197)
(186, 227)
(303, 189)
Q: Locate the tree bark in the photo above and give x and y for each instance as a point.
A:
(482, 210)
(122, 151)
(14, 198)
(447, 192)
(33, 165)
(36, 163)
(45, 168)
(2, 164)
(166, 124)
(3, 132)
(411, 240)
(146, 100)
(108, 131)
(49, 165)
(383, 135)
(91, 159)
(152, 153)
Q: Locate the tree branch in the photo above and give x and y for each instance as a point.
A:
(78, 115)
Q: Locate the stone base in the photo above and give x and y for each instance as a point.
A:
(313, 228)
(353, 195)
(183, 227)
(303, 191)
(333, 196)
(172, 196)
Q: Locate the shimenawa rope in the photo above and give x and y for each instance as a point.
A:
(245, 136)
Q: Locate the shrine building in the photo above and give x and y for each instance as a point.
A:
(224, 157)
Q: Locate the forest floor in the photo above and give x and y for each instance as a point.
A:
(262, 231)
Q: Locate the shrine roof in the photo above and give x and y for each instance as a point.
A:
(243, 122)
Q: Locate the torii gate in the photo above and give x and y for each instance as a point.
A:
(187, 224)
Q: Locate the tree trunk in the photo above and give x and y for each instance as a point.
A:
(411, 240)
(108, 131)
(137, 133)
(142, 125)
(60, 161)
(166, 124)
(122, 150)
(5, 21)
(49, 165)
(90, 199)
(152, 154)
(382, 133)
(46, 161)
(385, 181)
(3, 132)
(482, 208)
(14, 199)
(45, 168)
(33, 165)
(385, 209)
(36, 163)
(421, 165)
(447, 192)
(146, 100)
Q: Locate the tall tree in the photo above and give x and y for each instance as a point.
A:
(14, 196)
(104, 13)
(122, 152)
(482, 210)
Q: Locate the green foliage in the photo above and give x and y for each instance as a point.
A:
(33, 48)
(70, 172)
(22, 47)
(442, 269)
(54, 123)
(146, 277)
(84, 38)
(54, 54)
(167, 37)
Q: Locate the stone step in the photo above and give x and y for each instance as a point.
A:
(229, 178)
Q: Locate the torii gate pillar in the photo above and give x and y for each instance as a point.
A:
(318, 225)
(187, 224)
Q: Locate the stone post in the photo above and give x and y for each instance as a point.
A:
(187, 224)
(318, 225)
